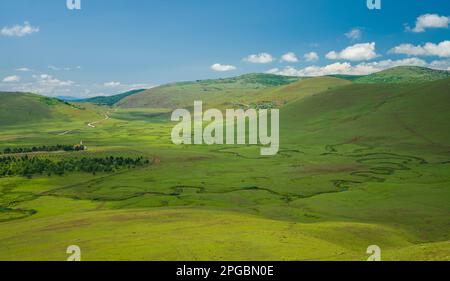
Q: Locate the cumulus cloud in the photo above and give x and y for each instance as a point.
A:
(289, 57)
(52, 67)
(347, 68)
(222, 67)
(429, 49)
(431, 21)
(335, 68)
(357, 52)
(23, 69)
(354, 34)
(11, 79)
(441, 64)
(275, 71)
(259, 58)
(311, 57)
(66, 68)
(49, 81)
(19, 30)
(112, 84)
(130, 87)
(43, 84)
(48, 85)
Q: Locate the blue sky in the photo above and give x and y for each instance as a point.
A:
(114, 45)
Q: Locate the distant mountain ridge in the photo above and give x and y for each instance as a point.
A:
(67, 98)
(404, 74)
(254, 90)
(110, 100)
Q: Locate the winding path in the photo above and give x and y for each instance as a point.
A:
(64, 133)
(92, 124)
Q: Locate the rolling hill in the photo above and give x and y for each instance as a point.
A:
(397, 140)
(413, 114)
(404, 74)
(282, 95)
(213, 92)
(266, 89)
(18, 107)
(26, 108)
(359, 164)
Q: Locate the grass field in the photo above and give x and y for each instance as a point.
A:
(359, 165)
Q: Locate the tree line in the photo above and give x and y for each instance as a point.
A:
(47, 148)
(28, 166)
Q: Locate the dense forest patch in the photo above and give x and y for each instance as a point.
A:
(44, 148)
(28, 166)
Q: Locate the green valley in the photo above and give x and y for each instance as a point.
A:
(363, 161)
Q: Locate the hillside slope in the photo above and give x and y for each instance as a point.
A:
(26, 108)
(297, 90)
(404, 74)
(212, 92)
(266, 90)
(394, 114)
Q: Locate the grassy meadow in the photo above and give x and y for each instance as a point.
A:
(360, 163)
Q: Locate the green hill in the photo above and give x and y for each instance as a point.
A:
(393, 114)
(404, 74)
(265, 90)
(212, 92)
(111, 100)
(282, 95)
(26, 108)
(18, 107)
(389, 147)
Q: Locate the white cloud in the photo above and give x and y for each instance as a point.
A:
(431, 21)
(335, 68)
(260, 58)
(274, 71)
(11, 79)
(441, 64)
(429, 49)
(112, 84)
(57, 68)
(312, 56)
(347, 68)
(289, 57)
(49, 81)
(368, 68)
(222, 67)
(354, 34)
(19, 30)
(357, 52)
(48, 85)
(139, 86)
(23, 69)
(44, 84)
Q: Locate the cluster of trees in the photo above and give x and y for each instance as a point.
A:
(49, 148)
(29, 166)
